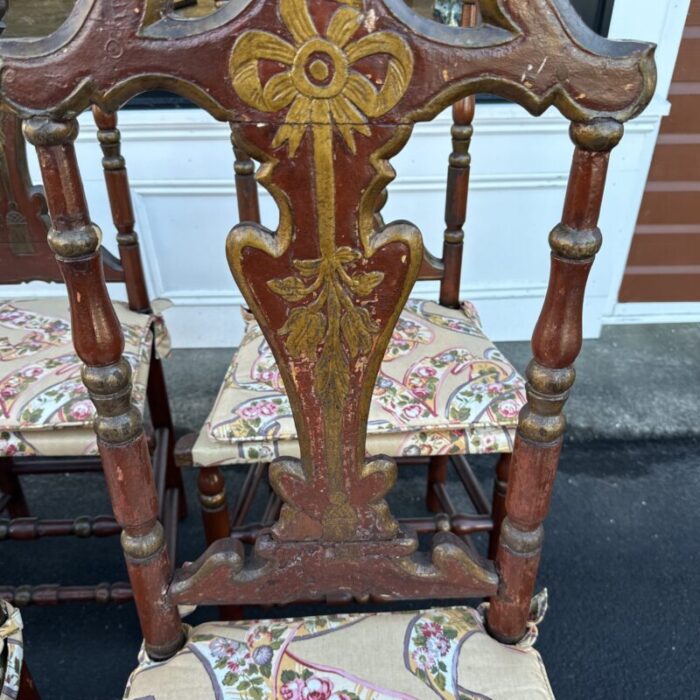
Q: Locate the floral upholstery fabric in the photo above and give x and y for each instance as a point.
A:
(44, 406)
(440, 653)
(11, 652)
(443, 388)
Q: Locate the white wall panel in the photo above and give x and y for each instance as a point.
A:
(181, 168)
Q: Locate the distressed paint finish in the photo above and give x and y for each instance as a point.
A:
(323, 94)
(556, 343)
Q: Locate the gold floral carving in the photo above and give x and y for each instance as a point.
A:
(322, 92)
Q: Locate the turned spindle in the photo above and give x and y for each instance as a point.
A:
(457, 187)
(246, 187)
(212, 500)
(117, 181)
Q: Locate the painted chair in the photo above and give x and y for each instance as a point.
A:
(324, 94)
(46, 413)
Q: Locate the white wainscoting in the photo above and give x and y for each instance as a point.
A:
(180, 164)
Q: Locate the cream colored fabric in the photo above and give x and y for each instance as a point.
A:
(443, 388)
(44, 406)
(440, 653)
(11, 652)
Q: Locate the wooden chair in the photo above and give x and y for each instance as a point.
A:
(327, 289)
(47, 416)
(468, 404)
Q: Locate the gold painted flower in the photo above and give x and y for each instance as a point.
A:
(319, 84)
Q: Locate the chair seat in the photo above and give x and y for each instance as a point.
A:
(438, 653)
(44, 406)
(443, 388)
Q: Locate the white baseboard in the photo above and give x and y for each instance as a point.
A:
(654, 312)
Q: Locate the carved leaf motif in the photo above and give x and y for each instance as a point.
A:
(345, 255)
(364, 283)
(306, 329)
(358, 329)
(308, 268)
(289, 288)
(332, 376)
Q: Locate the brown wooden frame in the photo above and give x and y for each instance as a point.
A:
(334, 519)
(26, 255)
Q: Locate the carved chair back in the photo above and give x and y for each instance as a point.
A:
(324, 93)
(25, 253)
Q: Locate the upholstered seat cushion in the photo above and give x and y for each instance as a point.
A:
(443, 388)
(439, 653)
(44, 406)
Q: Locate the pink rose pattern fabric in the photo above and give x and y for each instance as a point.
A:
(278, 659)
(443, 388)
(40, 385)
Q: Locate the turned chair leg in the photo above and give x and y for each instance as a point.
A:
(10, 485)
(437, 474)
(217, 520)
(500, 486)
(212, 499)
(161, 417)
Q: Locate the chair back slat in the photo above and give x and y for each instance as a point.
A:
(324, 94)
(117, 182)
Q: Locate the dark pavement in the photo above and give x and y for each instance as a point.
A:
(621, 557)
